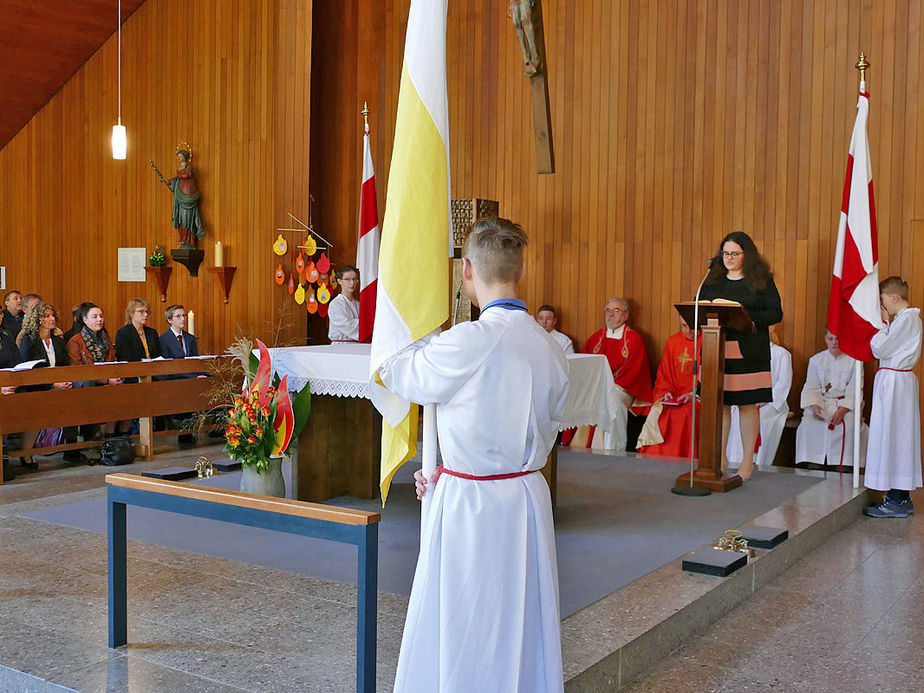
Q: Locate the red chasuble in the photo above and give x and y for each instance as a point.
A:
(675, 377)
(628, 361)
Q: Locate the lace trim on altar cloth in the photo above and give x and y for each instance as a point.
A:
(337, 388)
(576, 419)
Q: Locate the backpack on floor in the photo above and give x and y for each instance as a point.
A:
(116, 451)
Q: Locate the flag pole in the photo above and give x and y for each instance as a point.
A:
(862, 65)
(428, 460)
(857, 418)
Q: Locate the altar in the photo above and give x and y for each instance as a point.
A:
(339, 449)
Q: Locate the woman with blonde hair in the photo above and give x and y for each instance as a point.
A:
(135, 340)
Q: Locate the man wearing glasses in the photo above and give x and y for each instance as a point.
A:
(625, 351)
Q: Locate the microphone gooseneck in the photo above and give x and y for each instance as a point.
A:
(455, 311)
(711, 264)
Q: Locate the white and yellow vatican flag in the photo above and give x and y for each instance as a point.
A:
(413, 291)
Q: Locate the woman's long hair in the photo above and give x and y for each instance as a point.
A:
(33, 321)
(755, 268)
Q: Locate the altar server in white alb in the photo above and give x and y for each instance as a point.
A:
(343, 312)
(773, 415)
(483, 613)
(827, 401)
(893, 457)
(548, 319)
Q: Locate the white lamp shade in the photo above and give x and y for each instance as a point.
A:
(119, 142)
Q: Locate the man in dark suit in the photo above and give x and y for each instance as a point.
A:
(177, 343)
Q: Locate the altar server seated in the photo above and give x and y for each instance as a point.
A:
(625, 351)
(826, 431)
(548, 320)
(483, 613)
(773, 415)
(667, 429)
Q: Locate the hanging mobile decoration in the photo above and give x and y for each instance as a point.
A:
(291, 283)
(280, 275)
(323, 293)
(280, 246)
(323, 264)
(300, 293)
(322, 310)
(300, 263)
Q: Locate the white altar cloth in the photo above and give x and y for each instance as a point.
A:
(342, 370)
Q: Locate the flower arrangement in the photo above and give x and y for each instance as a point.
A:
(263, 421)
(157, 258)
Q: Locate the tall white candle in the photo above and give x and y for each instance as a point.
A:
(219, 255)
(191, 322)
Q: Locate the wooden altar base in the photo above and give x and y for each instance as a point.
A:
(708, 479)
(339, 450)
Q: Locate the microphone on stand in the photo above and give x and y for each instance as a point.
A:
(455, 311)
(692, 490)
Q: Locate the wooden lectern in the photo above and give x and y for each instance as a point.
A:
(713, 319)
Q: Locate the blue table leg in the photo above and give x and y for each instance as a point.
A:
(118, 574)
(366, 601)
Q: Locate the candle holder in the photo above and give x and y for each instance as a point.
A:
(162, 275)
(224, 276)
(191, 258)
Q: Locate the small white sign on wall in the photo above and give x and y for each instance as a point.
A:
(131, 264)
(2, 277)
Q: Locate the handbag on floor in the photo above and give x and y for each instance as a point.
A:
(116, 451)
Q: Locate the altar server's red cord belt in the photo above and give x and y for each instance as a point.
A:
(490, 477)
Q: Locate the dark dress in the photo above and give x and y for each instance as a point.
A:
(128, 346)
(747, 354)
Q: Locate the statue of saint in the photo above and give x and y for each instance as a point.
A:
(186, 219)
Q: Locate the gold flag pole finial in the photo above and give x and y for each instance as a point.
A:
(862, 65)
(365, 113)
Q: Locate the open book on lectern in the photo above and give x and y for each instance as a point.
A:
(731, 315)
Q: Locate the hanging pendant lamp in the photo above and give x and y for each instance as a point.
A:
(119, 134)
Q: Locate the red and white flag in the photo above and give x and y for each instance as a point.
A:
(853, 311)
(367, 251)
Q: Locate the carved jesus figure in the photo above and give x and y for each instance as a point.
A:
(521, 14)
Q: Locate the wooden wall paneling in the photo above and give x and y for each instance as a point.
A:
(181, 81)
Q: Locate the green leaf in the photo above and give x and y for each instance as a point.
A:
(301, 408)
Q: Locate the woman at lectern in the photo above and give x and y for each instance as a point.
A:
(742, 275)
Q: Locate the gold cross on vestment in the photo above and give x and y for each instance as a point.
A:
(684, 359)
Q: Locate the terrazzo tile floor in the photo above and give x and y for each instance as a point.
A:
(847, 618)
(844, 619)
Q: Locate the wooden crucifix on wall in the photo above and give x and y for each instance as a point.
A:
(527, 22)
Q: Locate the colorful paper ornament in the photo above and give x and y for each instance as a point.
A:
(300, 294)
(280, 275)
(311, 302)
(322, 310)
(323, 263)
(323, 293)
(300, 263)
(291, 283)
(280, 246)
(311, 245)
(311, 273)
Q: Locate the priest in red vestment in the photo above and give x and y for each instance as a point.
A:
(625, 351)
(667, 429)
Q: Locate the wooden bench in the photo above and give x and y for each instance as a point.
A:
(343, 525)
(30, 411)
